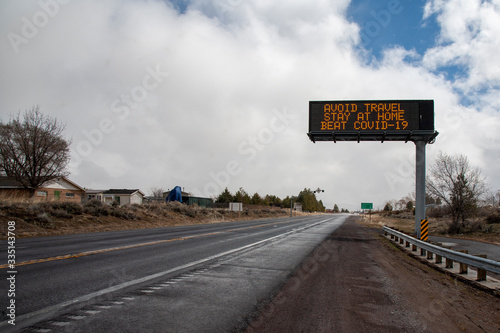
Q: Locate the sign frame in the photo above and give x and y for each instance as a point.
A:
(346, 120)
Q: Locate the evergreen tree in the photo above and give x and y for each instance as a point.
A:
(272, 200)
(336, 209)
(286, 202)
(242, 196)
(320, 207)
(256, 199)
(308, 200)
(225, 197)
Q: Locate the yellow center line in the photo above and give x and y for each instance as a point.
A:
(83, 254)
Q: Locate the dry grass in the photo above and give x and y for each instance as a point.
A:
(437, 226)
(57, 218)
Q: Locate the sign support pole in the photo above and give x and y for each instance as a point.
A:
(384, 120)
(420, 185)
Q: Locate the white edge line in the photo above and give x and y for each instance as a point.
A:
(46, 313)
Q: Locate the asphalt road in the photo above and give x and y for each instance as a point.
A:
(194, 278)
(474, 247)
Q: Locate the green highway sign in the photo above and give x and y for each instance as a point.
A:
(366, 205)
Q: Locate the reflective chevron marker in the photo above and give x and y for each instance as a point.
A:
(424, 230)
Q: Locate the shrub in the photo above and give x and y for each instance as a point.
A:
(61, 213)
(454, 227)
(93, 203)
(493, 218)
(45, 221)
(437, 212)
(97, 210)
(135, 207)
(122, 213)
(62, 209)
(72, 208)
(18, 210)
(480, 226)
(154, 209)
(181, 208)
(203, 211)
(35, 210)
(190, 211)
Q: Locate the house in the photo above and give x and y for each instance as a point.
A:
(57, 189)
(10, 188)
(190, 200)
(94, 195)
(123, 196)
(183, 194)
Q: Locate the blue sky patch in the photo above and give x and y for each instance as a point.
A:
(388, 23)
(179, 5)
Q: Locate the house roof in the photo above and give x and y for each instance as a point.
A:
(89, 191)
(184, 194)
(72, 183)
(8, 182)
(123, 191)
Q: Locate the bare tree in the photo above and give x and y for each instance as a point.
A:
(33, 150)
(490, 199)
(453, 180)
(156, 192)
(400, 204)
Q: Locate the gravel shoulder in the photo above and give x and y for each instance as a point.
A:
(356, 281)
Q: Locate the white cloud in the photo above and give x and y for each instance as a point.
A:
(228, 67)
(470, 38)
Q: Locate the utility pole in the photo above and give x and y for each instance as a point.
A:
(291, 205)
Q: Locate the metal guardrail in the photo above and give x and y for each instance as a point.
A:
(470, 260)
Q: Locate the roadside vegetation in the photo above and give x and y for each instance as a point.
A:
(484, 227)
(306, 197)
(59, 218)
(459, 203)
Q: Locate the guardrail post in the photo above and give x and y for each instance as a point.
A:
(463, 267)
(431, 251)
(481, 273)
(439, 259)
(392, 236)
(430, 255)
(449, 263)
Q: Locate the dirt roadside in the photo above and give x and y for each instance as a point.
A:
(357, 281)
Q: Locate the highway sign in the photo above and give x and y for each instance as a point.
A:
(366, 205)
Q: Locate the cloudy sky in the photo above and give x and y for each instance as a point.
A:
(214, 94)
